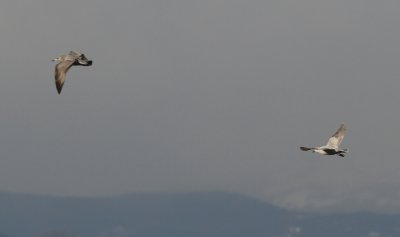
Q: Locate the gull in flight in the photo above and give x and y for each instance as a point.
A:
(332, 147)
(65, 62)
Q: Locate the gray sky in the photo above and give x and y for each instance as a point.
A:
(189, 95)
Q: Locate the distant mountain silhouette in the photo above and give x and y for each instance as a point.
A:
(203, 214)
(57, 233)
(4, 235)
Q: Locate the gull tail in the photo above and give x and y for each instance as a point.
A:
(305, 148)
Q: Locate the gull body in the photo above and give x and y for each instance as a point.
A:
(65, 62)
(332, 147)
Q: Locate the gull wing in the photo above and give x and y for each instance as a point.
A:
(337, 138)
(61, 71)
(74, 54)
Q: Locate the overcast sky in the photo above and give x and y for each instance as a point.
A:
(188, 95)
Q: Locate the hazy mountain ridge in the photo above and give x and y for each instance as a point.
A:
(200, 214)
(4, 235)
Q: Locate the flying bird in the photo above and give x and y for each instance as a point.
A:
(65, 62)
(332, 147)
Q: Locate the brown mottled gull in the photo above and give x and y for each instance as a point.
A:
(65, 62)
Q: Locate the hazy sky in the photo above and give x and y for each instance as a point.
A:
(188, 95)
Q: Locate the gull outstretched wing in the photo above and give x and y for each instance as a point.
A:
(337, 137)
(60, 73)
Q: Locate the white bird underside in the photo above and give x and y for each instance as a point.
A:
(332, 147)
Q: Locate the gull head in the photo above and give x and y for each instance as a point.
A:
(83, 61)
